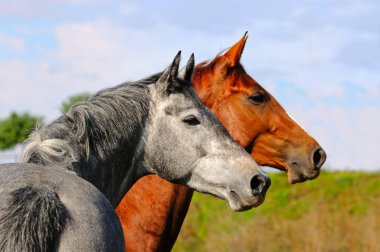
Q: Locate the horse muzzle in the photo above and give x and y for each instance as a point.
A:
(242, 199)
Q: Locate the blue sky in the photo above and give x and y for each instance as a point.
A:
(320, 59)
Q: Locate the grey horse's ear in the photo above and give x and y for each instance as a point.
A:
(186, 73)
(168, 78)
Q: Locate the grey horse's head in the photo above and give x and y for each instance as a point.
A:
(185, 143)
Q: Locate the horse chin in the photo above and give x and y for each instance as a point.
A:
(296, 177)
(239, 204)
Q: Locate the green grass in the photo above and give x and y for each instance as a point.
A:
(339, 211)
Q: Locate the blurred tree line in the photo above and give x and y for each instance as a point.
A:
(17, 126)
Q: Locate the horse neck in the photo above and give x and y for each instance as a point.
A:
(103, 142)
(115, 172)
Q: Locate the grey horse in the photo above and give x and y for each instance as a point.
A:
(155, 125)
(45, 209)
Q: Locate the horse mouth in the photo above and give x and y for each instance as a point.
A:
(240, 204)
(300, 177)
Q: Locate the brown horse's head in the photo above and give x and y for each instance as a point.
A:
(255, 119)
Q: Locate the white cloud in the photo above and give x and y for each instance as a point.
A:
(43, 8)
(355, 8)
(90, 56)
(12, 42)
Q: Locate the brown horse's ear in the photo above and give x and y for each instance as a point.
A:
(168, 78)
(234, 53)
(222, 65)
(186, 73)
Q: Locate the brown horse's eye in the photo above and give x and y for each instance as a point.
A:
(191, 120)
(258, 98)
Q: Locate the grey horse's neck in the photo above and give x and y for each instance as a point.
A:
(100, 139)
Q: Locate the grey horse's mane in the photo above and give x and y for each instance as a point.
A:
(91, 128)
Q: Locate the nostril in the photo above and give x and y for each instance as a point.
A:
(319, 157)
(316, 157)
(257, 184)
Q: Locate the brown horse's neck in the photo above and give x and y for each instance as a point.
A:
(156, 217)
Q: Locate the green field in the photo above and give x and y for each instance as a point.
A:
(339, 211)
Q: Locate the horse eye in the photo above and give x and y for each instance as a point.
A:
(191, 120)
(258, 98)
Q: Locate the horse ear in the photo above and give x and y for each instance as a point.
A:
(222, 65)
(234, 53)
(186, 73)
(170, 74)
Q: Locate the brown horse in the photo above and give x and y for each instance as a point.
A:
(153, 211)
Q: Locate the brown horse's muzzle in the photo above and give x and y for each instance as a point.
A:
(301, 169)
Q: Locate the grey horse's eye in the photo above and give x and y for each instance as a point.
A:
(191, 120)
